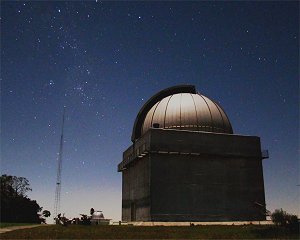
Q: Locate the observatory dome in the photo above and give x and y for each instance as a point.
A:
(181, 108)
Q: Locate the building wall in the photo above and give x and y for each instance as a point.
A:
(136, 191)
(172, 175)
(205, 188)
(204, 143)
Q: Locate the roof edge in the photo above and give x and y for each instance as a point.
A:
(137, 127)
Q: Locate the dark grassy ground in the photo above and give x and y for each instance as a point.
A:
(4, 225)
(138, 232)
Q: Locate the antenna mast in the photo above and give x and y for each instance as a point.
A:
(59, 167)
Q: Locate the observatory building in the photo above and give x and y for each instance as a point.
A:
(185, 163)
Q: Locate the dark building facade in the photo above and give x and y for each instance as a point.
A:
(185, 163)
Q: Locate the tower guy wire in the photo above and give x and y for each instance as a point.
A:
(59, 169)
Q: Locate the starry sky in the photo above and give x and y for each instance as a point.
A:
(104, 60)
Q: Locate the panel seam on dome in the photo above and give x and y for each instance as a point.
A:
(166, 110)
(231, 130)
(180, 111)
(212, 124)
(151, 123)
(195, 111)
(220, 114)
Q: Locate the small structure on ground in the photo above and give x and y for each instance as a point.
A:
(98, 218)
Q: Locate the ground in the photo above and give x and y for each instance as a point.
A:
(7, 227)
(4, 225)
(157, 232)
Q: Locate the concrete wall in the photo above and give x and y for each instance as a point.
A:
(136, 191)
(196, 188)
(204, 142)
(171, 175)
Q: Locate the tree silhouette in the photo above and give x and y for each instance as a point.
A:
(12, 185)
(15, 205)
(20, 186)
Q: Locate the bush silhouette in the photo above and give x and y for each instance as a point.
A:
(15, 205)
(283, 219)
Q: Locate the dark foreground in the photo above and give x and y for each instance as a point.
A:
(139, 232)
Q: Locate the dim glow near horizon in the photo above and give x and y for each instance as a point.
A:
(104, 60)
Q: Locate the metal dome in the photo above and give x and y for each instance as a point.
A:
(97, 215)
(181, 108)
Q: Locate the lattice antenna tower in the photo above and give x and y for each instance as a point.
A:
(59, 168)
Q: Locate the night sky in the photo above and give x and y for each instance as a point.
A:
(104, 60)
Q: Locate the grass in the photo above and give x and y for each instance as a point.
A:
(157, 232)
(4, 224)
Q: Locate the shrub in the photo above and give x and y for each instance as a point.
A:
(279, 217)
(282, 218)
